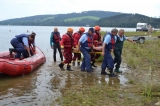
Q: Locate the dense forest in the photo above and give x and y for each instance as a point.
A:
(101, 18)
(128, 20)
(70, 19)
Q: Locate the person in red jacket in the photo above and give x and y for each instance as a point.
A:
(67, 48)
(76, 37)
(96, 42)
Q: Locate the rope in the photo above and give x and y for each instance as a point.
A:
(7, 57)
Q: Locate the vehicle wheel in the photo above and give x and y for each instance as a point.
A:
(141, 40)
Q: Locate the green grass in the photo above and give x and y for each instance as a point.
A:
(48, 18)
(142, 55)
(154, 34)
(80, 18)
(98, 95)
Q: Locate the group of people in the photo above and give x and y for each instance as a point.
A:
(90, 45)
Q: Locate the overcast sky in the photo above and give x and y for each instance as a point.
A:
(21, 8)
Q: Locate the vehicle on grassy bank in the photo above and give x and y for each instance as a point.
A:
(141, 39)
(142, 27)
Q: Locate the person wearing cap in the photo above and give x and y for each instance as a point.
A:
(107, 48)
(85, 45)
(96, 42)
(55, 43)
(118, 49)
(76, 37)
(67, 48)
(22, 45)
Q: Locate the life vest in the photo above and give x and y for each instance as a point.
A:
(96, 39)
(68, 42)
(20, 37)
(119, 43)
(76, 36)
(56, 37)
(111, 45)
(97, 36)
(88, 42)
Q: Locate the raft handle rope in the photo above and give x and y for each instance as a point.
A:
(8, 57)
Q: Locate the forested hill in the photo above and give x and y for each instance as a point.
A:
(70, 19)
(128, 20)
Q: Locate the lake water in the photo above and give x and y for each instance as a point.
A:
(42, 86)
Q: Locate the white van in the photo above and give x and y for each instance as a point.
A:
(142, 27)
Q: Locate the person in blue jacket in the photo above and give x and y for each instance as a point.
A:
(85, 45)
(55, 43)
(107, 48)
(22, 45)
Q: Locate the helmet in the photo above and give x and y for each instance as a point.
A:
(81, 29)
(70, 30)
(97, 28)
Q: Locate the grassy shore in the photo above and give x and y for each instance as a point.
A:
(143, 86)
(154, 34)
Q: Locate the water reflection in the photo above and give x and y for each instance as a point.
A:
(90, 79)
(32, 89)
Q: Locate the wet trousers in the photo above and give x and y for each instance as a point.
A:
(67, 55)
(108, 60)
(57, 46)
(77, 56)
(86, 65)
(117, 58)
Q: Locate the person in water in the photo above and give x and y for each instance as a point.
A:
(22, 45)
(55, 43)
(85, 45)
(108, 47)
(67, 48)
(76, 36)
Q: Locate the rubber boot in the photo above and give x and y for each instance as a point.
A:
(73, 63)
(69, 68)
(92, 64)
(117, 71)
(11, 50)
(112, 73)
(78, 63)
(61, 66)
(21, 57)
(103, 72)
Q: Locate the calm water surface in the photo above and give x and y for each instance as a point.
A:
(42, 86)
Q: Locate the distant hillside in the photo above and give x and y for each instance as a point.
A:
(70, 19)
(128, 20)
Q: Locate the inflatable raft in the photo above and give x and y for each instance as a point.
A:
(14, 67)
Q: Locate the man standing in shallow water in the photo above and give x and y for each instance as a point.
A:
(118, 49)
(55, 43)
(107, 48)
(85, 45)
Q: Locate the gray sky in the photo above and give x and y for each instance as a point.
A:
(21, 8)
